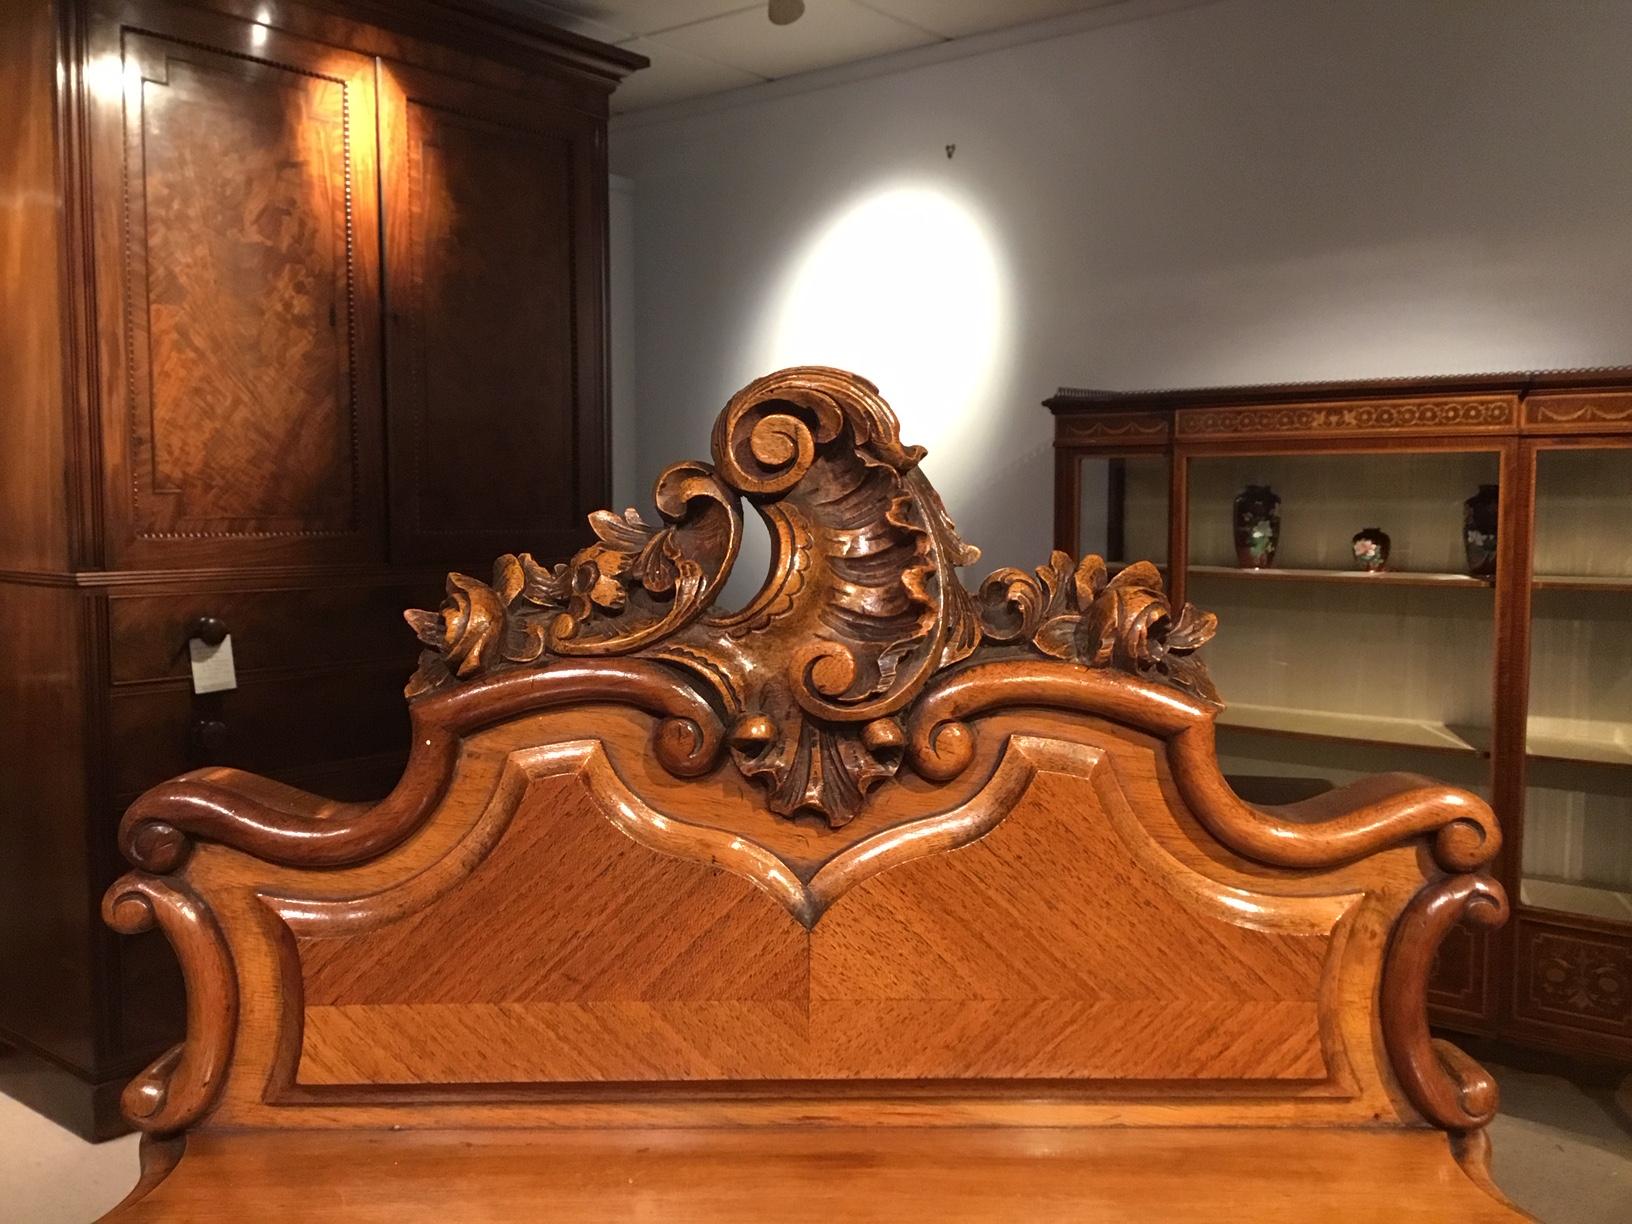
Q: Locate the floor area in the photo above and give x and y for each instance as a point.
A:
(1562, 1153)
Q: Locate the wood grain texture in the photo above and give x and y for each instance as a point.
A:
(875, 850)
(250, 261)
(192, 203)
(710, 982)
(493, 208)
(176, 1090)
(1101, 1176)
(35, 365)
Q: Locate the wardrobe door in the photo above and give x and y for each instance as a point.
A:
(236, 213)
(495, 209)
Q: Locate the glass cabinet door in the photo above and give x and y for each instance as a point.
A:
(1577, 837)
(1335, 660)
(1122, 507)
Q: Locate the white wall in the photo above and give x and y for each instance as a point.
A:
(621, 341)
(1249, 190)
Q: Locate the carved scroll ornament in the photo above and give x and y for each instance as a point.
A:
(861, 609)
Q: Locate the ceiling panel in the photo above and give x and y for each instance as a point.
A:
(648, 16)
(960, 18)
(831, 32)
(675, 74)
(700, 47)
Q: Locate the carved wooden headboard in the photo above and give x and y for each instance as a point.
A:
(874, 847)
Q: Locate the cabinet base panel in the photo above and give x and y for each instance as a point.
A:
(90, 1109)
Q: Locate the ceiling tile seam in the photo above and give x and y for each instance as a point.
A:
(890, 62)
(696, 21)
(900, 20)
(688, 53)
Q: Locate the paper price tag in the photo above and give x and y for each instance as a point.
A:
(213, 670)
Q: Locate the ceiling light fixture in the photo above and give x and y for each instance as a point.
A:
(785, 12)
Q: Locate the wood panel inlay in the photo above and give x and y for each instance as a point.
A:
(1113, 427)
(1584, 412)
(1487, 414)
(1573, 978)
(1037, 972)
(1047, 967)
(240, 314)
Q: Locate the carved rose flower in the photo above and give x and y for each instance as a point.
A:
(467, 631)
(1127, 622)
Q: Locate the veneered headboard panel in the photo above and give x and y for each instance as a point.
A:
(874, 847)
(1061, 943)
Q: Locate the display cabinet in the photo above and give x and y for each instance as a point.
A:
(1430, 575)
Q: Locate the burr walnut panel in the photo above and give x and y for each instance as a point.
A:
(247, 366)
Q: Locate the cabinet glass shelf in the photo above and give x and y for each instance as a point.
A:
(1340, 725)
(1581, 582)
(1579, 739)
(1576, 741)
(1347, 577)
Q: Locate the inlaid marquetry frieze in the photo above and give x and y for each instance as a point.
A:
(1605, 412)
(1486, 414)
(1113, 427)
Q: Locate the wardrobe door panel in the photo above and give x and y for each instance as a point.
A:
(494, 208)
(239, 188)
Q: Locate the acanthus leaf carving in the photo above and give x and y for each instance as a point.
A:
(1082, 614)
(862, 607)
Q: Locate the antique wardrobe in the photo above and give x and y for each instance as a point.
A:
(301, 304)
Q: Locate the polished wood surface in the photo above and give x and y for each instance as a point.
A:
(1094, 1176)
(250, 219)
(881, 882)
(208, 212)
(494, 320)
(1554, 978)
(271, 627)
(34, 496)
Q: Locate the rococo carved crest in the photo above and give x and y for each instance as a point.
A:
(861, 608)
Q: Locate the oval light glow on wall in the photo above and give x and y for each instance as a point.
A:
(905, 288)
